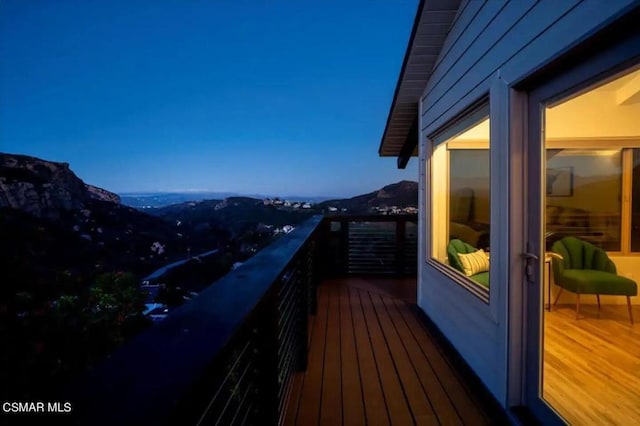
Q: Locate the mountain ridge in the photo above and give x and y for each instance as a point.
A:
(44, 188)
(400, 194)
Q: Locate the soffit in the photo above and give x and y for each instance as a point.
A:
(430, 29)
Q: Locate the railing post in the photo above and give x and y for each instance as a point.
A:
(266, 357)
(401, 233)
(314, 266)
(327, 261)
(304, 306)
(344, 247)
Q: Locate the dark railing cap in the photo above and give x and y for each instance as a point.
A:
(404, 217)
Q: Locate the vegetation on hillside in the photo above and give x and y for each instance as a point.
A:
(47, 343)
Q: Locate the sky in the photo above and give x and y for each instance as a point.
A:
(271, 97)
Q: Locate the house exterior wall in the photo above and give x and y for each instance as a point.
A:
(491, 46)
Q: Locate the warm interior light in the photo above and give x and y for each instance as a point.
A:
(476, 137)
(588, 152)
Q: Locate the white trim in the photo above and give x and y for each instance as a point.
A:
(461, 280)
(423, 236)
(468, 144)
(594, 143)
(516, 308)
(439, 177)
(499, 193)
(428, 232)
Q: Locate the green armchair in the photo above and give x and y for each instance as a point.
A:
(586, 269)
(458, 246)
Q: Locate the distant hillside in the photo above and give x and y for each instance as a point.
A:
(163, 199)
(149, 200)
(52, 222)
(401, 194)
(236, 214)
(242, 214)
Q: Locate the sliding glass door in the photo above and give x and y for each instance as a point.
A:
(583, 255)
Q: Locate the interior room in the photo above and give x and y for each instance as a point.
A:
(591, 358)
(461, 201)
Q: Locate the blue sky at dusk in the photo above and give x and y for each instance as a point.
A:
(271, 97)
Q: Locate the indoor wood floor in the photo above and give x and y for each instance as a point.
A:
(372, 361)
(592, 365)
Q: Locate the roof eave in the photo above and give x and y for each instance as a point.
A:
(430, 28)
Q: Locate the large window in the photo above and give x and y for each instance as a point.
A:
(460, 199)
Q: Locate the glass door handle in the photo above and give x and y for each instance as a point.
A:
(529, 256)
(528, 269)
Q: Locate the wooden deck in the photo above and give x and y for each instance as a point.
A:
(372, 361)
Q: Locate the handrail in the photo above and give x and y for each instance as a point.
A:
(172, 372)
(372, 218)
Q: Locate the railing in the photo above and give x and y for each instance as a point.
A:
(225, 358)
(371, 245)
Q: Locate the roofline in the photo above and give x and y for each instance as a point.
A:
(407, 54)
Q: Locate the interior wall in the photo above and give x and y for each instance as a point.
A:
(591, 115)
(595, 198)
(597, 183)
(471, 171)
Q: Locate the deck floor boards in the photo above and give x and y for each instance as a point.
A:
(372, 361)
(352, 407)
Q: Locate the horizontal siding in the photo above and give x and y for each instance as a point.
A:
(454, 60)
(466, 322)
(520, 38)
(565, 34)
(466, 15)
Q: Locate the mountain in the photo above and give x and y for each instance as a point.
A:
(148, 200)
(102, 194)
(44, 188)
(246, 214)
(239, 215)
(401, 194)
(52, 222)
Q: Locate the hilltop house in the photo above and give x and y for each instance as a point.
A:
(525, 120)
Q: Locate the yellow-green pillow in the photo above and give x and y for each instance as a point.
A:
(474, 263)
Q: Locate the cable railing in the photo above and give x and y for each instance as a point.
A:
(372, 245)
(226, 358)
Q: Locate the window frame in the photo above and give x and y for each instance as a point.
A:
(477, 112)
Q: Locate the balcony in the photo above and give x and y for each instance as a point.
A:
(320, 327)
(372, 361)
